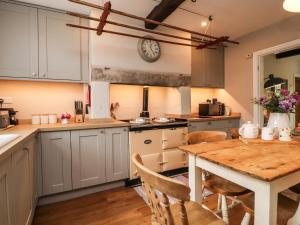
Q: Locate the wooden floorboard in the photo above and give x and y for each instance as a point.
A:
(120, 206)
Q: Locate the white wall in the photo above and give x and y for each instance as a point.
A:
(118, 51)
(239, 69)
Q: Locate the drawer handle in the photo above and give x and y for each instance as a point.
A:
(53, 139)
(147, 142)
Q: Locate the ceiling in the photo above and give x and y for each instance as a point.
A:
(234, 18)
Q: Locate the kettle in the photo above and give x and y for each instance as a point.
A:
(249, 130)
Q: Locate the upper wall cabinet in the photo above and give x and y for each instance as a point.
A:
(59, 46)
(208, 68)
(37, 44)
(18, 41)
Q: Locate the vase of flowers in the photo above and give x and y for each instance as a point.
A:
(279, 103)
(65, 117)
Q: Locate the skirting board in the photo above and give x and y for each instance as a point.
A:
(78, 193)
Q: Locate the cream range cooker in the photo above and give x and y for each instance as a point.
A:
(157, 144)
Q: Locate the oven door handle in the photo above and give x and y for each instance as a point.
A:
(161, 163)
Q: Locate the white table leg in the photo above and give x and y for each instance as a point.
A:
(195, 180)
(265, 209)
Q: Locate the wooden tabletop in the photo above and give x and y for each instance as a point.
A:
(265, 160)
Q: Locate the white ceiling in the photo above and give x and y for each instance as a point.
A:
(231, 17)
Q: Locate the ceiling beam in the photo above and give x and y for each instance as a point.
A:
(162, 11)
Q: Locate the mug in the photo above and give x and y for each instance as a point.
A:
(267, 133)
(285, 134)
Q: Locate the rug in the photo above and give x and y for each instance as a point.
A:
(140, 191)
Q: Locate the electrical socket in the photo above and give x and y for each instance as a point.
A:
(7, 100)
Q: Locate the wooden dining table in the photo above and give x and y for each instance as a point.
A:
(265, 167)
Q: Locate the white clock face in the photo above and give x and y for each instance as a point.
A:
(149, 50)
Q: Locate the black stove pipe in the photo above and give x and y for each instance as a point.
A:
(145, 112)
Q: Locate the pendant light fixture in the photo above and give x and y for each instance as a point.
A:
(291, 5)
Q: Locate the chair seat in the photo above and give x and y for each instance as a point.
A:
(285, 210)
(219, 185)
(296, 188)
(196, 215)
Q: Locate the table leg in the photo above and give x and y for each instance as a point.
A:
(195, 180)
(265, 209)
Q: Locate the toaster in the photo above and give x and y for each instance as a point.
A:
(211, 109)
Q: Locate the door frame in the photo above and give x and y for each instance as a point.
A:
(258, 67)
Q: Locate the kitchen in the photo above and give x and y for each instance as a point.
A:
(76, 106)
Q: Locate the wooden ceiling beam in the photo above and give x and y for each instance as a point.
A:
(103, 17)
(160, 12)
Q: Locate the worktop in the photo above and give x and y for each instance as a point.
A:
(197, 118)
(26, 131)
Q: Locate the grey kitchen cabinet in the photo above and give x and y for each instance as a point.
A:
(215, 125)
(5, 192)
(35, 43)
(59, 46)
(117, 153)
(56, 162)
(208, 68)
(18, 41)
(88, 157)
(22, 184)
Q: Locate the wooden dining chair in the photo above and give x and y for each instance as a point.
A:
(285, 210)
(295, 220)
(213, 183)
(234, 133)
(158, 188)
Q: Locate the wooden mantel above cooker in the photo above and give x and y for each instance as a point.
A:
(199, 40)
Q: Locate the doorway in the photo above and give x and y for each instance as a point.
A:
(297, 89)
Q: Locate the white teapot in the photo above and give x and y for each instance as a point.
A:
(249, 130)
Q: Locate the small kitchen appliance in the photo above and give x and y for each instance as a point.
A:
(212, 109)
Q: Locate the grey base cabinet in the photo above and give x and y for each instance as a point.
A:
(117, 154)
(216, 125)
(88, 158)
(83, 158)
(18, 196)
(56, 162)
(5, 192)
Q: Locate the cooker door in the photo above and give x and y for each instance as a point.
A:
(174, 137)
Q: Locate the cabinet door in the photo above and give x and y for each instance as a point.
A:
(18, 41)
(56, 162)
(208, 67)
(174, 159)
(59, 46)
(116, 154)
(174, 137)
(5, 192)
(21, 186)
(88, 158)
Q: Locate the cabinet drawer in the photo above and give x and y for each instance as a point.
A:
(174, 159)
(214, 125)
(172, 138)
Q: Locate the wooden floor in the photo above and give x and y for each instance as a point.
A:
(119, 206)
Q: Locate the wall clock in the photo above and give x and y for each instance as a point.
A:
(149, 50)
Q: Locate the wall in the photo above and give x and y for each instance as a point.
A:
(162, 100)
(30, 97)
(110, 50)
(238, 68)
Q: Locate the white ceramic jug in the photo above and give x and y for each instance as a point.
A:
(249, 130)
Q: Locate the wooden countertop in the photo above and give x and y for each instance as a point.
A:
(265, 160)
(27, 131)
(196, 118)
